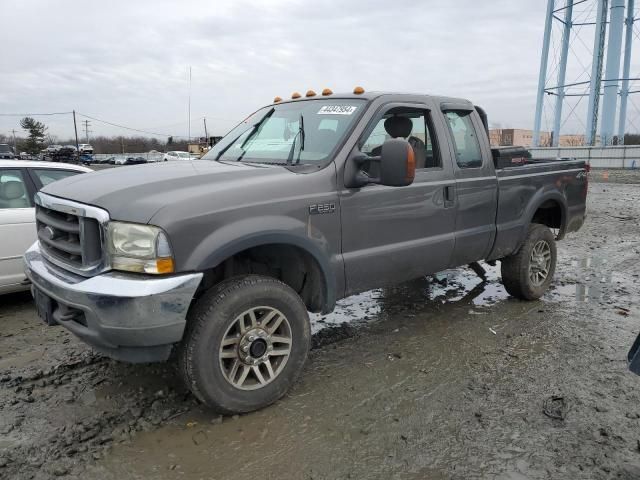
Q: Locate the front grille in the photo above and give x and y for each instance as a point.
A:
(74, 240)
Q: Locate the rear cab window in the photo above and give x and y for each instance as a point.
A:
(465, 139)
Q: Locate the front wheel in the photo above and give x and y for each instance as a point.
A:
(528, 273)
(246, 343)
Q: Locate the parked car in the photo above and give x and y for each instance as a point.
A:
(85, 148)
(305, 202)
(176, 156)
(129, 160)
(19, 181)
(6, 151)
(52, 149)
(86, 159)
(136, 160)
(64, 154)
(102, 160)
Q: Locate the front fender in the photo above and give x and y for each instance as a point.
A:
(247, 233)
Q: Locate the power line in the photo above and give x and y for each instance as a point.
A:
(87, 124)
(33, 114)
(125, 127)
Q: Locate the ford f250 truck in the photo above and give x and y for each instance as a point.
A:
(306, 201)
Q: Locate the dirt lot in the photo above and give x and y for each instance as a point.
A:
(441, 378)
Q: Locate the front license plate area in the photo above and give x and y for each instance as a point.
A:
(44, 306)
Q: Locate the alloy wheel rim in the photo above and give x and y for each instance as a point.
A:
(255, 348)
(540, 263)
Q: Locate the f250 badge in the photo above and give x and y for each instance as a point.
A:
(322, 208)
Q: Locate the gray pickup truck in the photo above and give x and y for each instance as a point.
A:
(305, 202)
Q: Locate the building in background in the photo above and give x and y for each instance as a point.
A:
(507, 137)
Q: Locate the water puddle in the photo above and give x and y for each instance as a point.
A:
(449, 286)
(593, 280)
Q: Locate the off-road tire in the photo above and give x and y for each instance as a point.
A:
(515, 268)
(209, 320)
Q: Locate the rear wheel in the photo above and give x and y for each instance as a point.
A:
(528, 273)
(246, 343)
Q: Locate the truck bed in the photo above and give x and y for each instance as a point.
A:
(556, 188)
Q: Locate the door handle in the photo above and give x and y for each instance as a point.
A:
(449, 196)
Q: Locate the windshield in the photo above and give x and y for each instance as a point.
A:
(293, 133)
(184, 155)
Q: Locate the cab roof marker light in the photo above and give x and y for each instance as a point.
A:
(310, 93)
(295, 95)
(358, 90)
(327, 91)
(277, 99)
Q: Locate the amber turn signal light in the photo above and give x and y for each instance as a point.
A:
(411, 164)
(165, 265)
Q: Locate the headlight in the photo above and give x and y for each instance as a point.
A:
(139, 248)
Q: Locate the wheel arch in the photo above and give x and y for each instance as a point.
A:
(550, 209)
(294, 259)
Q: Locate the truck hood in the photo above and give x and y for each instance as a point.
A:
(136, 193)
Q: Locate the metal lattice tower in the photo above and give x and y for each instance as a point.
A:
(566, 21)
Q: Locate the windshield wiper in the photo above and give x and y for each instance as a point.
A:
(293, 144)
(254, 129)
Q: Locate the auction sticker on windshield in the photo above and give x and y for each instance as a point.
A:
(337, 110)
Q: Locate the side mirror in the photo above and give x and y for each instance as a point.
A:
(395, 167)
(397, 163)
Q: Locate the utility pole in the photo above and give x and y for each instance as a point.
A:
(206, 135)
(75, 129)
(15, 146)
(87, 124)
(122, 144)
(189, 108)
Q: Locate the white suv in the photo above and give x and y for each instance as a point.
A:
(85, 148)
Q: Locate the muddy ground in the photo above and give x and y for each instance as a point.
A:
(440, 378)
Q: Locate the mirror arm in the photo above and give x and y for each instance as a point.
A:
(361, 178)
(358, 177)
(361, 158)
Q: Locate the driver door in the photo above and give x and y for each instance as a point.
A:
(393, 234)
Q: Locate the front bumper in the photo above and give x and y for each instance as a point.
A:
(128, 317)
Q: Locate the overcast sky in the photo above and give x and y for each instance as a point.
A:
(127, 61)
